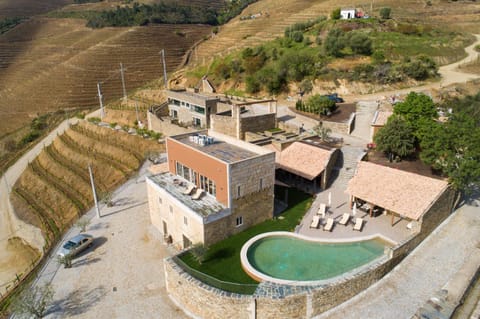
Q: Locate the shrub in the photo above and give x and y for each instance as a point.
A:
(385, 13)
(335, 14)
(252, 84)
(30, 137)
(319, 104)
(360, 43)
(335, 42)
(297, 36)
(94, 120)
(306, 86)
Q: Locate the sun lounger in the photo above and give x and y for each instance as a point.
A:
(358, 224)
(322, 210)
(189, 189)
(315, 221)
(198, 193)
(345, 219)
(329, 225)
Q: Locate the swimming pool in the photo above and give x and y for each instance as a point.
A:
(288, 257)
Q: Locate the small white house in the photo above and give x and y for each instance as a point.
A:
(348, 13)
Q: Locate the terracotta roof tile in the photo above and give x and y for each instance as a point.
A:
(407, 194)
(303, 159)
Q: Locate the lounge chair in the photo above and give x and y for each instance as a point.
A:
(322, 210)
(315, 221)
(198, 193)
(329, 225)
(345, 219)
(189, 189)
(358, 224)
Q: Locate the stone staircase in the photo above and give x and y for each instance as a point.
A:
(347, 164)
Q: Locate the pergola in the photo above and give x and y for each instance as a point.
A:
(400, 193)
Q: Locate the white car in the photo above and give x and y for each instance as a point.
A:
(75, 245)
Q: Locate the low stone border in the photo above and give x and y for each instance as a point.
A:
(259, 276)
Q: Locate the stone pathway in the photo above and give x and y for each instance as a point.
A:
(426, 270)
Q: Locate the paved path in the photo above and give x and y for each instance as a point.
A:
(122, 275)
(429, 267)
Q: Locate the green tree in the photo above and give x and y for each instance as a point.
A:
(320, 104)
(252, 84)
(396, 138)
(335, 42)
(360, 43)
(322, 132)
(335, 14)
(306, 86)
(417, 109)
(454, 148)
(385, 13)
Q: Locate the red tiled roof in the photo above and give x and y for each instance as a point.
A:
(407, 194)
(303, 159)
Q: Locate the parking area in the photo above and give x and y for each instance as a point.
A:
(121, 275)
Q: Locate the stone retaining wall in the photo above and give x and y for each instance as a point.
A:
(207, 302)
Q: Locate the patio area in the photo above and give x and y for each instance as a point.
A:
(379, 224)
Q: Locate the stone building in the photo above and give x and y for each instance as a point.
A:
(234, 183)
(243, 117)
(191, 108)
(401, 194)
(305, 164)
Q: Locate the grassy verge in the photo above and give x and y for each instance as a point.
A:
(223, 258)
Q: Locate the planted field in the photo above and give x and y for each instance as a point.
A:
(55, 188)
(50, 64)
(26, 8)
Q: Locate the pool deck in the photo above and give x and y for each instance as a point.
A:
(380, 224)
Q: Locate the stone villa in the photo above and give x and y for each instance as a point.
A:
(215, 186)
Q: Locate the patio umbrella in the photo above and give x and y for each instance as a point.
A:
(329, 198)
(354, 210)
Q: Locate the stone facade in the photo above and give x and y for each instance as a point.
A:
(231, 122)
(253, 208)
(341, 127)
(193, 295)
(328, 169)
(165, 126)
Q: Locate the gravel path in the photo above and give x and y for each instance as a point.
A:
(429, 267)
(122, 275)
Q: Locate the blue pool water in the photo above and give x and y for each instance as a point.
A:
(292, 258)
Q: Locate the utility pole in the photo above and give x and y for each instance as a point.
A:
(136, 112)
(164, 68)
(100, 98)
(93, 190)
(123, 82)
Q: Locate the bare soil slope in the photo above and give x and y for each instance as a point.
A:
(50, 64)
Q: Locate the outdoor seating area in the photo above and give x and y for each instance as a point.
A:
(333, 218)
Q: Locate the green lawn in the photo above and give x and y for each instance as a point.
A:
(223, 258)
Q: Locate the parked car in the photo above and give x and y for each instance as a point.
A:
(335, 98)
(75, 245)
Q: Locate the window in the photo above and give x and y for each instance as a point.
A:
(171, 209)
(185, 172)
(239, 191)
(261, 183)
(239, 221)
(160, 200)
(198, 109)
(208, 185)
(196, 121)
(185, 220)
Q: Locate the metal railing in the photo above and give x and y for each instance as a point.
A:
(244, 289)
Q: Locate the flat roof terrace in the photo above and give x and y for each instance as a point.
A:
(206, 206)
(219, 149)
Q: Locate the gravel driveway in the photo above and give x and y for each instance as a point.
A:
(121, 276)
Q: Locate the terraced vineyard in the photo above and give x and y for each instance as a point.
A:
(50, 64)
(55, 189)
(276, 15)
(25, 8)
